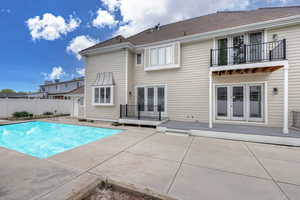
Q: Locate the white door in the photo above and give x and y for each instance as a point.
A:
(237, 102)
(76, 107)
(222, 103)
(256, 102)
(151, 99)
(240, 102)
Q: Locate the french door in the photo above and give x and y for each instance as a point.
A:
(240, 102)
(151, 99)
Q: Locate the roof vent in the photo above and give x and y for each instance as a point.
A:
(157, 27)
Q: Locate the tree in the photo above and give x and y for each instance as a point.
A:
(8, 91)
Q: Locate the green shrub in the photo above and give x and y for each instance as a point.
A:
(48, 113)
(22, 114)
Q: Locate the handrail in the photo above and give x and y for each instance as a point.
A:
(153, 112)
(248, 53)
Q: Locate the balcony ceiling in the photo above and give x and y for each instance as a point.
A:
(265, 69)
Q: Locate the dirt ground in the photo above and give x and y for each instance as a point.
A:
(110, 194)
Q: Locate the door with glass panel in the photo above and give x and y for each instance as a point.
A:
(255, 47)
(222, 51)
(240, 102)
(256, 102)
(239, 53)
(222, 104)
(237, 104)
(151, 99)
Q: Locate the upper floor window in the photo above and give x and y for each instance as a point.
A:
(138, 58)
(66, 85)
(161, 55)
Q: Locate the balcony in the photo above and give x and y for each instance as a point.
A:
(248, 53)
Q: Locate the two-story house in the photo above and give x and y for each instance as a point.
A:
(234, 67)
(61, 89)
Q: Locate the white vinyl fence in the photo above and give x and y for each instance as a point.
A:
(35, 106)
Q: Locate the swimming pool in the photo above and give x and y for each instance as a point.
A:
(43, 139)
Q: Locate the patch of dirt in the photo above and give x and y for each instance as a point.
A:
(111, 194)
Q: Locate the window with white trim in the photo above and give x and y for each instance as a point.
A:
(139, 59)
(103, 95)
(162, 55)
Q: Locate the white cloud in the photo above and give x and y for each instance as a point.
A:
(138, 16)
(57, 73)
(103, 19)
(51, 27)
(3, 10)
(79, 43)
(80, 71)
(111, 4)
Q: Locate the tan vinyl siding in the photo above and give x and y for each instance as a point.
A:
(292, 36)
(80, 111)
(274, 80)
(130, 75)
(110, 62)
(187, 86)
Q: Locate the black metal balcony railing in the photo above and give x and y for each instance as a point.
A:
(296, 119)
(249, 53)
(141, 112)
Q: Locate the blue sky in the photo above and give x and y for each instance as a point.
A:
(30, 52)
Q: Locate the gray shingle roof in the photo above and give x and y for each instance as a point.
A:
(202, 24)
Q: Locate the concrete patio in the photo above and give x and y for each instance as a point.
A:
(188, 168)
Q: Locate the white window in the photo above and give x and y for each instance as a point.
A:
(138, 58)
(161, 55)
(169, 55)
(154, 56)
(103, 95)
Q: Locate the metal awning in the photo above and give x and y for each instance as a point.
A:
(104, 79)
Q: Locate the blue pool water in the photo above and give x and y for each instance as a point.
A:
(42, 139)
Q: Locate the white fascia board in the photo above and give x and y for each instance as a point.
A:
(229, 31)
